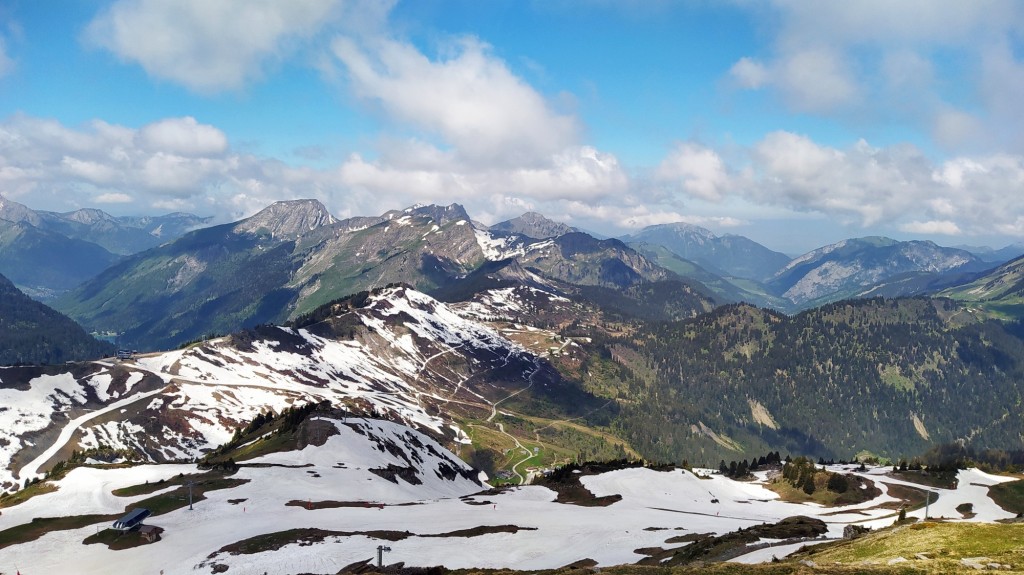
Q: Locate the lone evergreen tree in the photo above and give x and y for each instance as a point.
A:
(809, 485)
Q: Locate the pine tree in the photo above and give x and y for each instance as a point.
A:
(809, 485)
(837, 483)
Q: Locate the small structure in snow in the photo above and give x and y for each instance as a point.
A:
(151, 533)
(132, 520)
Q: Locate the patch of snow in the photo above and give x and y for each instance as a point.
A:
(554, 534)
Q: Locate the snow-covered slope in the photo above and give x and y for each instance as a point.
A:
(399, 353)
(501, 246)
(439, 521)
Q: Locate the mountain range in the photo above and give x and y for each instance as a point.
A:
(373, 371)
(356, 381)
(645, 358)
(294, 256)
(728, 256)
(853, 267)
(577, 378)
(47, 253)
(395, 352)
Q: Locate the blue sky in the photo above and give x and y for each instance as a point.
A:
(796, 123)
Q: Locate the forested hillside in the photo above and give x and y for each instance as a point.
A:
(30, 332)
(888, 376)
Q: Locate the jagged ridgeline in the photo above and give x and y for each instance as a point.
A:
(293, 256)
(888, 376)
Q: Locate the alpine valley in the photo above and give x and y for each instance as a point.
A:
(294, 391)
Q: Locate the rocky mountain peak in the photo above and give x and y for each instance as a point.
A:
(88, 216)
(533, 225)
(287, 219)
(847, 268)
(683, 230)
(440, 214)
(15, 212)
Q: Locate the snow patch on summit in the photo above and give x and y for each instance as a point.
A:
(497, 248)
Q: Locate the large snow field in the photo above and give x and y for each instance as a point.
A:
(654, 507)
(972, 487)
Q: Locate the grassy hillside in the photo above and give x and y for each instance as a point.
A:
(929, 547)
(203, 283)
(1009, 496)
(998, 294)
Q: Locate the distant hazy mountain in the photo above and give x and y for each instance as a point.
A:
(722, 255)
(46, 263)
(726, 289)
(30, 332)
(121, 235)
(998, 256)
(294, 256)
(533, 225)
(48, 253)
(852, 267)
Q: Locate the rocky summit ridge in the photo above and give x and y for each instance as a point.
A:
(289, 219)
(534, 225)
(296, 256)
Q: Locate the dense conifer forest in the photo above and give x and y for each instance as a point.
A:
(32, 333)
(890, 377)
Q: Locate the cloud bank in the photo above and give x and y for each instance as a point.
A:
(890, 62)
(458, 124)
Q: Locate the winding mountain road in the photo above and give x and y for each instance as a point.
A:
(32, 468)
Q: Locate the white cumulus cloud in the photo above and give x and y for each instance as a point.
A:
(184, 136)
(750, 73)
(207, 46)
(112, 198)
(469, 98)
(933, 227)
(698, 171)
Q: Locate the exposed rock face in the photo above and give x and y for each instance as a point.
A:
(289, 219)
(442, 215)
(533, 225)
(15, 212)
(846, 268)
(294, 256)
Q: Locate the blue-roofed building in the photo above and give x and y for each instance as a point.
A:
(132, 520)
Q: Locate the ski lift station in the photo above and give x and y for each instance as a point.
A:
(132, 520)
